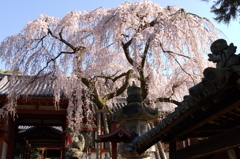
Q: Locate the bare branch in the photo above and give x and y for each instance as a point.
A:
(108, 76)
(171, 52)
(119, 91)
(169, 100)
(184, 69)
(145, 53)
(75, 49)
(126, 51)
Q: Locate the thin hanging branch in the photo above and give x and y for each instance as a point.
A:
(171, 54)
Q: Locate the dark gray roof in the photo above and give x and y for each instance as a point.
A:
(23, 128)
(45, 90)
(38, 89)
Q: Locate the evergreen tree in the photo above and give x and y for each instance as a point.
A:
(225, 10)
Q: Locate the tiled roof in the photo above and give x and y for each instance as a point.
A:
(116, 106)
(23, 128)
(45, 90)
(41, 137)
(39, 89)
(30, 129)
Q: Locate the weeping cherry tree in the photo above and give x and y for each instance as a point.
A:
(162, 49)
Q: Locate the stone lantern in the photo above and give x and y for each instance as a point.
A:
(135, 118)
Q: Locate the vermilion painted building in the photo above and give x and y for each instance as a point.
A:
(39, 111)
(35, 118)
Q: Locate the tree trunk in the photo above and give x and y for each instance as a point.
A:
(156, 153)
(98, 154)
(161, 150)
(107, 132)
(159, 147)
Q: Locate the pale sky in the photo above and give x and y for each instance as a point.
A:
(15, 14)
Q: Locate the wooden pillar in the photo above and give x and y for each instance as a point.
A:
(28, 151)
(172, 148)
(63, 148)
(1, 144)
(42, 157)
(11, 137)
(24, 149)
(106, 130)
(114, 144)
(98, 154)
(26, 154)
(2, 126)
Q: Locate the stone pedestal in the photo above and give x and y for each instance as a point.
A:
(135, 118)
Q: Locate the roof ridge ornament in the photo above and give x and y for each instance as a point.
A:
(223, 54)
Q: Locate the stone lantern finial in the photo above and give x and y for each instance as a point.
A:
(134, 94)
(133, 90)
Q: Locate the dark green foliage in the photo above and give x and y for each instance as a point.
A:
(35, 153)
(225, 10)
(18, 150)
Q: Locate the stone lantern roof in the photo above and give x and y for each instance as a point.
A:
(134, 110)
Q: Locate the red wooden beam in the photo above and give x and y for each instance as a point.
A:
(114, 144)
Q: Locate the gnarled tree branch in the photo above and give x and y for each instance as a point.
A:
(127, 51)
(120, 90)
(169, 100)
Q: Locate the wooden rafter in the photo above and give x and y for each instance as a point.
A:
(221, 142)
